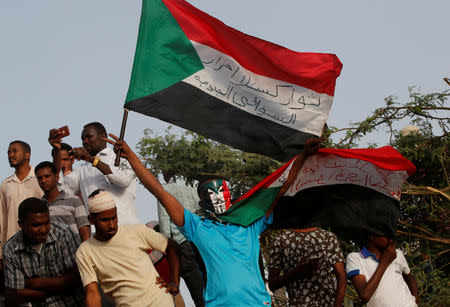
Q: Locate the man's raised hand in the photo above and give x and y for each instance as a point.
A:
(312, 146)
(125, 150)
(80, 153)
(389, 254)
(54, 139)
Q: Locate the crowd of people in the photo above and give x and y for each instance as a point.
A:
(50, 256)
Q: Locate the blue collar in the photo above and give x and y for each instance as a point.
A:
(365, 253)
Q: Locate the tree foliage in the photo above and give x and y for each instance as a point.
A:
(193, 157)
(425, 205)
(424, 226)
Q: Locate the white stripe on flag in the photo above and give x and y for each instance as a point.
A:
(320, 170)
(284, 103)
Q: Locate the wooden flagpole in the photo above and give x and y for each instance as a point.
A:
(122, 134)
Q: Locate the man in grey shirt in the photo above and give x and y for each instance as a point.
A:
(189, 271)
(64, 208)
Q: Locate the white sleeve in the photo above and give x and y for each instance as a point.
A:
(353, 265)
(85, 267)
(70, 182)
(122, 175)
(153, 239)
(402, 260)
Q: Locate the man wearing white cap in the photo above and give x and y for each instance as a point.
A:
(116, 258)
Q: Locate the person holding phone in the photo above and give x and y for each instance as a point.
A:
(312, 264)
(98, 171)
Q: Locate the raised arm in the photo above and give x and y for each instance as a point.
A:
(311, 148)
(80, 153)
(366, 289)
(55, 140)
(173, 207)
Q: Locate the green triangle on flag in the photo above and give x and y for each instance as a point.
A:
(164, 55)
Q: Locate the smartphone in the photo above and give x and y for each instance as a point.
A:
(63, 132)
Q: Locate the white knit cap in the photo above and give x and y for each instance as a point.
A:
(101, 202)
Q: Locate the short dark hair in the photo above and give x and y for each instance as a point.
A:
(97, 126)
(31, 205)
(64, 146)
(95, 193)
(45, 164)
(26, 148)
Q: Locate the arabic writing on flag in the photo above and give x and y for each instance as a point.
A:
(193, 71)
(335, 187)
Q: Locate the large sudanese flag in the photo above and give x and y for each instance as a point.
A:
(344, 189)
(193, 71)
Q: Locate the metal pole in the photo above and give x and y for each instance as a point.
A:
(122, 134)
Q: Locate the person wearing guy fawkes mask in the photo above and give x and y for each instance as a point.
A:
(230, 251)
(215, 197)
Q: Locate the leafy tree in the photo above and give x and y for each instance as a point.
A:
(424, 226)
(425, 204)
(193, 157)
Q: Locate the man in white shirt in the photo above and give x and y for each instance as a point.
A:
(381, 275)
(14, 189)
(99, 171)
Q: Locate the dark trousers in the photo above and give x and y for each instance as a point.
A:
(190, 272)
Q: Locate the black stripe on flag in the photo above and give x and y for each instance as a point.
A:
(187, 106)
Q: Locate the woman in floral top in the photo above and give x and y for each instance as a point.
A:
(313, 267)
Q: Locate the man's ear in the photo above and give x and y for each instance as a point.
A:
(90, 219)
(20, 224)
(27, 156)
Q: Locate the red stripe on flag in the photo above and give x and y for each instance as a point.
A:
(385, 157)
(315, 71)
(266, 182)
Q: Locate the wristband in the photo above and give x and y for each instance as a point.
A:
(95, 162)
(173, 284)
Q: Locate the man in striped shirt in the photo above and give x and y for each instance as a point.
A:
(40, 262)
(64, 208)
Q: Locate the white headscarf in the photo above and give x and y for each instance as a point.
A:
(101, 202)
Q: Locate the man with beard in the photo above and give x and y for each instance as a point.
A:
(99, 171)
(21, 185)
(116, 257)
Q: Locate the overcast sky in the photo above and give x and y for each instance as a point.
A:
(69, 62)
